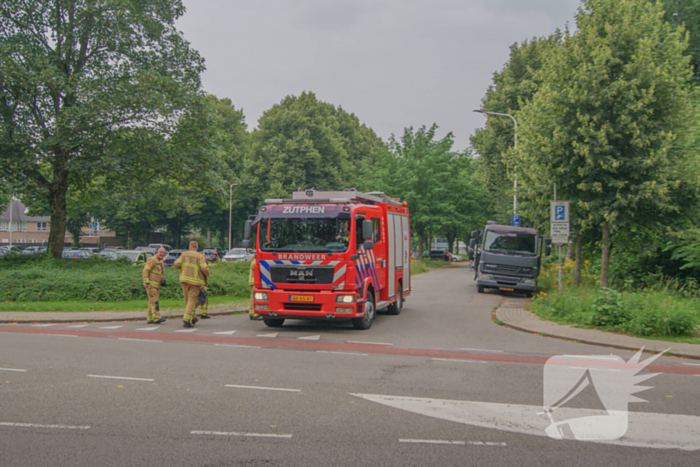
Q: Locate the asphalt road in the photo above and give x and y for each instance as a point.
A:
(440, 384)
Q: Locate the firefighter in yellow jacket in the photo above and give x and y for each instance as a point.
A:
(152, 278)
(251, 283)
(193, 275)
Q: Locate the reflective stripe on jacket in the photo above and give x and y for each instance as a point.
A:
(153, 272)
(193, 268)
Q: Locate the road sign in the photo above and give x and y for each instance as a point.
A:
(560, 229)
(515, 220)
(559, 211)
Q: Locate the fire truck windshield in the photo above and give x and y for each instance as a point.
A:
(302, 235)
(510, 243)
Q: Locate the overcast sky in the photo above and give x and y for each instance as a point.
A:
(393, 63)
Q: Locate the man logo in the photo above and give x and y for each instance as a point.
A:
(614, 380)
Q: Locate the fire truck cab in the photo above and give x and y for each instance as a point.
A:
(330, 255)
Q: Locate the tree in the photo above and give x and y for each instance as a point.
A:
(687, 14)
(512, 88)
(609, 122)
(304, 143)
(430, 177)
(79, 76)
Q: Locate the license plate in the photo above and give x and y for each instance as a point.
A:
(301, 298)
(507, 289)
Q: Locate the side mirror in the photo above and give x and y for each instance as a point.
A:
(472, 243)
(547, 250)
(247, 229)
(369, 245)
(245, 243)
(367, 231)
(476, 233)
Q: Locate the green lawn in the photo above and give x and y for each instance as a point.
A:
(129, 305)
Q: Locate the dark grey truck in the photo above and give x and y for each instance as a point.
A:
(508, 258)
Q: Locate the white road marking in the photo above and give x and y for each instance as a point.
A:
(226, 332)
(36, 425)
(692, 364)
(11, 369)
(233, 433)
(152, 328)
(187, 330)
(260, 387)
(62, 335)
(78, 325)
(239, 346)
(342, 353)
(645, 429)
(458, 360)
(483, 350)
(370, 343)
(120, 377)
(111, 327)
(310, 338)
(44, 325)
(454, 443)
(138, 340)
(272, 334)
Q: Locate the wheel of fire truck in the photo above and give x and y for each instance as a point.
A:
(366, 321)
(480, 288)
(273, 322)
(395, 308)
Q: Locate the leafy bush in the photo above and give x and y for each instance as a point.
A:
(96, 280)
(608, 310)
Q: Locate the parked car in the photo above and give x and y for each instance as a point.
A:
(455, 258)
(3, 252)
(442, 255)
(75, 254)
(12, 249)
(213, 254)
(238, 254)
(91, 249)
(160, 245)
(172, 256)
(106, 253)
(32, 250)
(133, 256)
(146, 248)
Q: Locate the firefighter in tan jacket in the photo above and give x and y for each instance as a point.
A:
(193, 275)
(152, 278)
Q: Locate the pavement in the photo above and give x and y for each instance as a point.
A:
(107, 316)
(512, 312)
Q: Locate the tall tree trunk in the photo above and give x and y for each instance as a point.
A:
(57, 205)
(577, 267)
(605, 263)
(420, 245)
(208, 238)
(569, 249)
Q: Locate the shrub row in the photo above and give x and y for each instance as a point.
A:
(45, 279)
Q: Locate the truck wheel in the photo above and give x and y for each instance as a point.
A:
(273, 322)
(480, 288)
(395, 308)
(365, 322)
(528, 294)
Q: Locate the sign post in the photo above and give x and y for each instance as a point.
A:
(560, 226)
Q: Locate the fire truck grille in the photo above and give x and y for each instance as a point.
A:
(303, 306)
(301, 275)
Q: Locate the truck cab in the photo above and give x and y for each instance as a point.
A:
(329, 256)
(508, 258)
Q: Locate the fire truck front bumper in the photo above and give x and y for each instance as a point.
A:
(307, 305)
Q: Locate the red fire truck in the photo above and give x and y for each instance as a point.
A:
(330, 255)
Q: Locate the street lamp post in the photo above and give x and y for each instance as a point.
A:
(515, 176)
(230, 207)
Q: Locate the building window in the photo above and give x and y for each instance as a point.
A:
(42, 226)
(24, 226)
(19, 240)
(4, 226)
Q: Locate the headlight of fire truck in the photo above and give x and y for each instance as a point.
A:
(486, 277)
(529, 281)
(262, 296)
(345, 299)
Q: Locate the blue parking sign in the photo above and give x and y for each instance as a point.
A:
(515, 220)
(560, 213)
